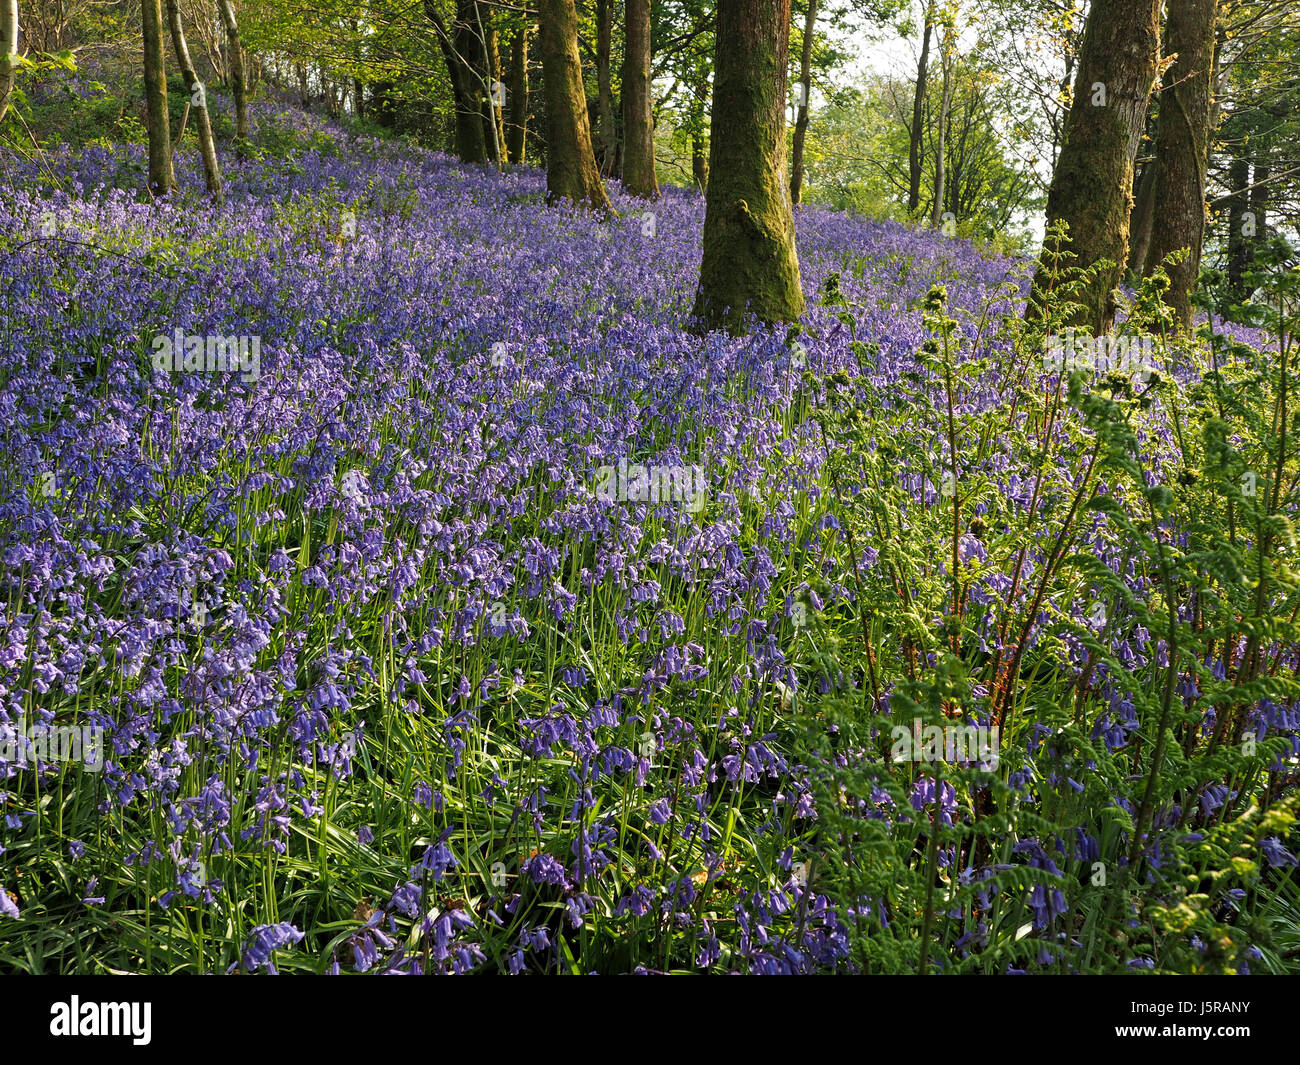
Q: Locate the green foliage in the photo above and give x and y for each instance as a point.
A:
(1167, 876)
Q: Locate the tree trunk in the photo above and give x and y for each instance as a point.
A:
(457, 46)
(498, 109)
(199, 100)
(238, 86)
(699, 162)
(517, 129)
(476, 102)
(918, 115)
(801, 117)
(1141, 219)
(699, 154)
(8, 51)
(941, 144)
(1240, 229)
(570, 161)
(1182, 151)
(638, 123)
(162, 179)
(607, 136)
(1092, 186)
(750, 268)
(1259, 188)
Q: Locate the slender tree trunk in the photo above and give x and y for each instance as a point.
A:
(699, 153)
(472, 56)
(238, 84)
(1093, 184)
(1182, 150)
(8, 51)
(199, 100)
(492, 46)
(1141, 218)
(1259, 191)
(699, 162)
(358, 90)
(570, 161)
(607, 135)
(517, 130)
(750, 269)
(801, 116)
(638, 122)
(457, 45)
(941, 144)
(162, 179)
(918, 115)
(1241, 230)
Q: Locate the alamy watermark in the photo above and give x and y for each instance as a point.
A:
(77, 1018)
(1129, 355)
(952, 743)
(208, 354)
(22, 744)
(652, 484)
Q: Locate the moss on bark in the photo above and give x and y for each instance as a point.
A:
(1093, 184)
(162, 178)
(570, 162)
(750, 269)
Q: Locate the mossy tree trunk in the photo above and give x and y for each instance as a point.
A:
(1182, 150)
(162, 179)
(517, 126)
(918, 115)
(1141, 217)
(198, 100)
(8, 51)
(238, 82)
(462, 50)
(1092, 185)
(571, 172)
(750, 269)
(801, 117)
(1240, 228)
(638, 120)
(698, 116)
(473, 109)
(492, 47)
(606, 134)
(946, 59)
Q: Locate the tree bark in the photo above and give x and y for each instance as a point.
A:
(638, 122)
(8, 51)
(801, 117)
(494, 116)
(1241, 231)
(1141, 218)
(199, 100)
(162, 179)
(517, 128)
(471, 53)
(941, 141)
(238, 84)
(1259, 179)
(1092, 186)
(1182, 151)
(918, 115)
(699, 153)
(570, 161)
(457, 46)
(750, 269)
(607, 135)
